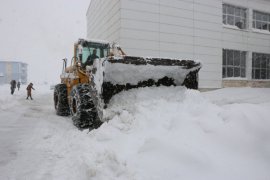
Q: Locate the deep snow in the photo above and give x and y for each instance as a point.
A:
(152, 133)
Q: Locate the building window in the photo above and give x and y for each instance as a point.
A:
(234, 63)
(260, 66)
(234, 16)
(261, 21)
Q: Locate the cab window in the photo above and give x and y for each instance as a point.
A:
(88, 51)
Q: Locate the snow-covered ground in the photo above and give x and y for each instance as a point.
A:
(153, 134)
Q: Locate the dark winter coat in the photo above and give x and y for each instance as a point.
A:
(29, 89)
(18, 84)
(13, 84)
(90, 60)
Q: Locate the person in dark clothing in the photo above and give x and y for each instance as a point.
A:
(91, 58)
(12, 86)
(29, 90)
(18, 85)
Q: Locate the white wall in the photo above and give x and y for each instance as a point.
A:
(103, 20)
(189, 29)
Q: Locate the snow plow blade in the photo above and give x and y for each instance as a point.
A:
(110, 76)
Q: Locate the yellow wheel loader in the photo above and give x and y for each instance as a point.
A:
(88, 84)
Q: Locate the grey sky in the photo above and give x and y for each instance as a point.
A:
(41, 33)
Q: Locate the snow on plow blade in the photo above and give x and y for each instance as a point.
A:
(113, 75)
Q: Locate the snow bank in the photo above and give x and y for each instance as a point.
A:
(152, 133)
(170, 133)
(5, 100)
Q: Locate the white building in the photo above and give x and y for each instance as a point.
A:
(231, 38)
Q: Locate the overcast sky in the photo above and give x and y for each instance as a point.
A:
(41, 33)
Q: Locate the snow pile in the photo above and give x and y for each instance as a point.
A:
(122, 74)
(6, 98)
(152, 133)
(118, 73)
(170, 133)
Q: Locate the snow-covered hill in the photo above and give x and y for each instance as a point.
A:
(152, 133)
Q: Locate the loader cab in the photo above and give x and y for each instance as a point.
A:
(88, 47)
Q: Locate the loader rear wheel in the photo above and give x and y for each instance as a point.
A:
(82, 108)
(60, 100)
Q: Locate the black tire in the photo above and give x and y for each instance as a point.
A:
(82, 108)
(60, 100)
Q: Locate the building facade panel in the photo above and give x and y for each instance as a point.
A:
(203, 8)
(174, 29)
(144, 44)
(204, 25)
(143, 52)
(142, 6)
(147, 35)
(206, 17)
(179, 4)
(155, 2)
(103, 20)
(208, 34)
(208, 59)
(139, 25)
(202, 41)
(175, 21)
(191, 29)
(259, 39)
(140, 15)
(176, 38)
(174, 47)
(209, 3)
(177, 12)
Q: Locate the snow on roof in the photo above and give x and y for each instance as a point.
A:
(95, 40)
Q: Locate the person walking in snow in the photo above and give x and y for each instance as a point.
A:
(12, 86)
(18, 85)
(29, 91)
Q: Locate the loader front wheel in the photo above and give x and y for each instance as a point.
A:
(82, 108)
(60, 100)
